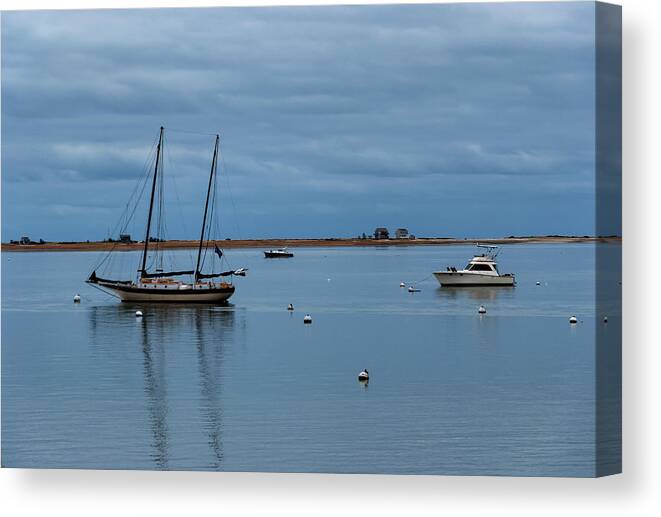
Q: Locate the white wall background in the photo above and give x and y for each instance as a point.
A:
(116, 494)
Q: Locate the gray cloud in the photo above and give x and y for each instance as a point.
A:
(333, 119)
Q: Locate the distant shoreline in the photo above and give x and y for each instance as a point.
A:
(300, 243)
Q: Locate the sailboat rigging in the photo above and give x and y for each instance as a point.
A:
(158, 286)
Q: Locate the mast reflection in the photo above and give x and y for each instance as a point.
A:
(156, 391)
(173, 329)
(210, 355)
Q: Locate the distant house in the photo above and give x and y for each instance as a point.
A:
(381, 233)
(401, 233)
(125, 238)
(25, 240)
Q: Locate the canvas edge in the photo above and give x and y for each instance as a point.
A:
(608, 221)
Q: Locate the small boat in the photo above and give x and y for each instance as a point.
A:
(481, 270)
(158, 286)
(364, 375)
(278, 253)
(413, 289)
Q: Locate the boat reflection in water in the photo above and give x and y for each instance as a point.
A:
(474, 293)
(174, 338)
(156, 391)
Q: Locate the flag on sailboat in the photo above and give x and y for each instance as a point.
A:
(218, 252)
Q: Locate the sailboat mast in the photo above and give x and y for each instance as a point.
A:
(214, 163)
(143, 269)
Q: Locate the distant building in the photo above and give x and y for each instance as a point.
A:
(381, 233)
(25, 240)
(125, 237)
(401, 233)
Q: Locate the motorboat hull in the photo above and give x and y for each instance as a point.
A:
(132, 293)
(464, 279)
(270, 254)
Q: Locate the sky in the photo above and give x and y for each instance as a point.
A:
(460, 120)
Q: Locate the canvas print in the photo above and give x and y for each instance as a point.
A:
(377, 239)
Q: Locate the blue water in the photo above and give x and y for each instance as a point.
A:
(249, 387)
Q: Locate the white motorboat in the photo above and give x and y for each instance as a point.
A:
(279, 253)
(481, 270)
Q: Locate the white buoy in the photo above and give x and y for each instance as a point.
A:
(364, 375)
(307, 319)
(402, 284)
(538, 283)
(573, 320)
(605, 319)
(290, 307)
(76, 299)
(138, 314)
(482, 309)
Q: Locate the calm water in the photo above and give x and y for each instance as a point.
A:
(248, 387)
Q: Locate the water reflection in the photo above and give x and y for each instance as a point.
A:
(153, 367)
(475, 292)
(164, 330)
(210, 356)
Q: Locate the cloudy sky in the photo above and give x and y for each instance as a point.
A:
(451, 120)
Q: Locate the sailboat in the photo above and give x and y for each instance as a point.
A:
(159, 286)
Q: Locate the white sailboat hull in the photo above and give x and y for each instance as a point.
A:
(466, 279)
(162, 295)
(186, 298)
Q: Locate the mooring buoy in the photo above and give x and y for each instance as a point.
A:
(307, 319)
(76, 299)
(573, 320)
(482, 309)
(138, 314)
(364, 375)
